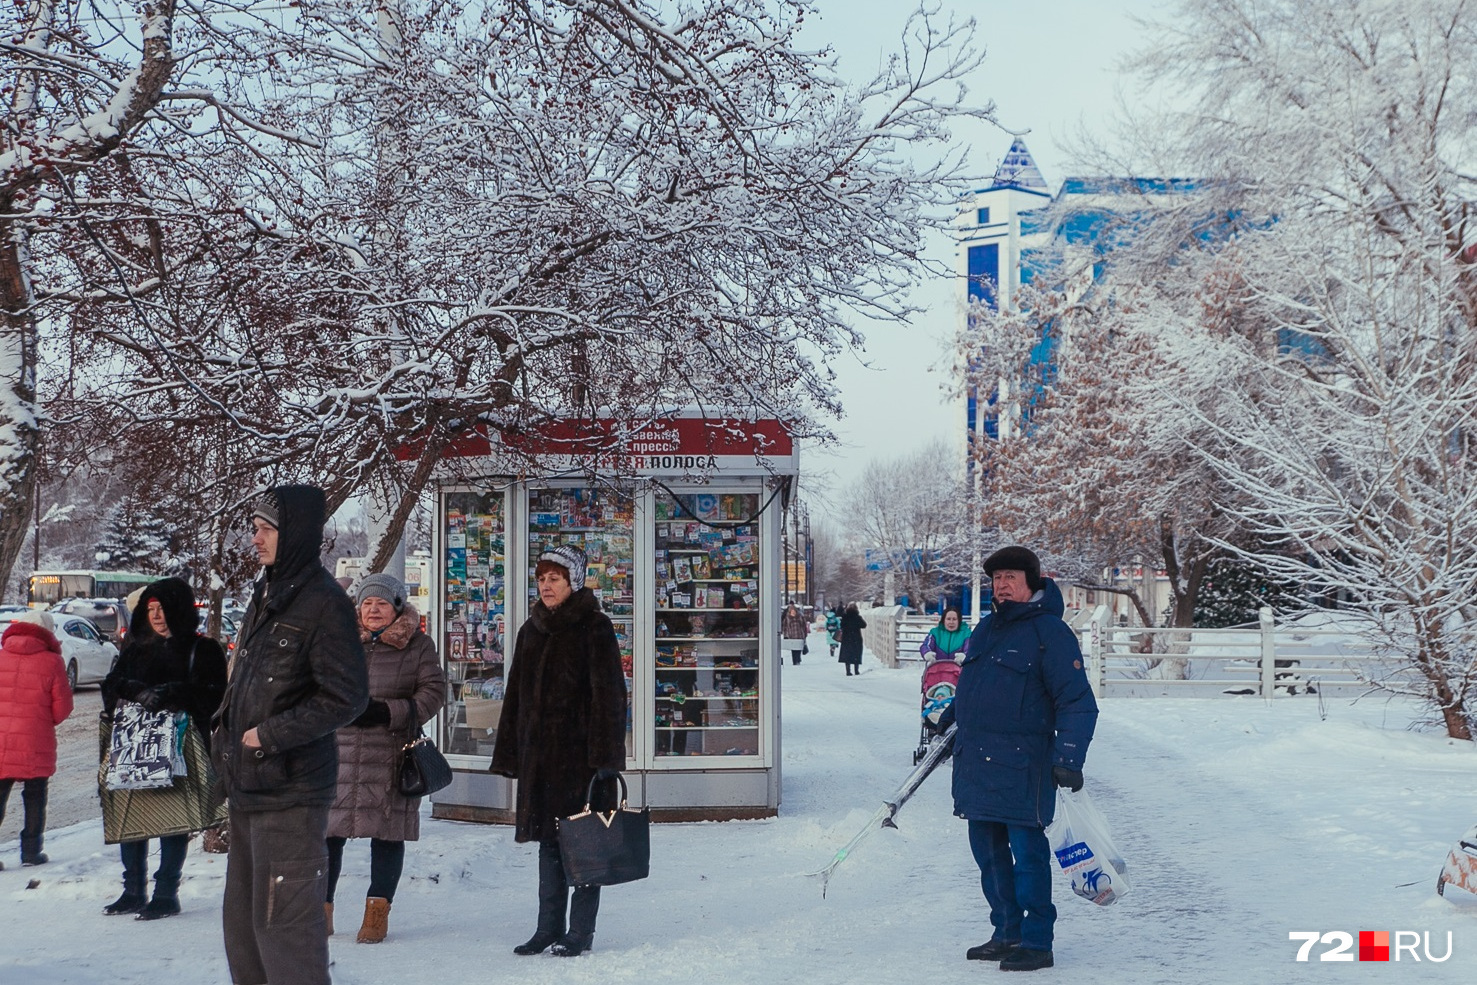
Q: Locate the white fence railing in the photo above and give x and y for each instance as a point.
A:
(1313, 654)
(1267, 659)
(911, 631)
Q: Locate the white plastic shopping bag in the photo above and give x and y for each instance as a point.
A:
(1083, 846)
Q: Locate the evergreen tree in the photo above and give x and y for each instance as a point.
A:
(138, 538)
(1235, 589)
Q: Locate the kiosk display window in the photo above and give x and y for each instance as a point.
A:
(706, 567)
(475, 617)
(600, 521)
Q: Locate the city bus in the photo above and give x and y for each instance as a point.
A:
(46, 588)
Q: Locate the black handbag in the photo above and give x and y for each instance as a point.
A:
(423, 769)
(606, 849)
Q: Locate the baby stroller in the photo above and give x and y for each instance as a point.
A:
(940, 680)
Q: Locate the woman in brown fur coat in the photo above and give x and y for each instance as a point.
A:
(563, 723)
(406, 689)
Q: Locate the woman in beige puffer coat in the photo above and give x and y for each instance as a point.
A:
(406, 689)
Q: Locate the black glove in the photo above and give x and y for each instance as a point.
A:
(130, 689)
(153, 698)
(606, 773)
(1063, 777)
(378, 713)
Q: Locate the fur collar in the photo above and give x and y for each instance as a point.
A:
(575, 610)
(398, 633)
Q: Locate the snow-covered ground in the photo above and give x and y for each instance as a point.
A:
(1241, 821)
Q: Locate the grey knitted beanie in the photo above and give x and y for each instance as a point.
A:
(382, 586)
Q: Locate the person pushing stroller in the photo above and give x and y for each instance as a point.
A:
(943, 651)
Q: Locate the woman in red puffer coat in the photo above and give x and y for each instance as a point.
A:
(34, 700)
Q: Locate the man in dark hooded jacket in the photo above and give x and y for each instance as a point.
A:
(1026, 715)
(298, 676)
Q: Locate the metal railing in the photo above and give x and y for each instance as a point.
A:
(911, 631)
(1266, 659)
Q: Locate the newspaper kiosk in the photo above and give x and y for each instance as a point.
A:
(681, 520)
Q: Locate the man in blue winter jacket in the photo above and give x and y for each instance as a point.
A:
(1026, 715)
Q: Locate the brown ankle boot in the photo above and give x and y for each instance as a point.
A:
(328, 917)
(376, 920)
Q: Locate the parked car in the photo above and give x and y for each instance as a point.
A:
(229, 629)
(110, 616)
(87, 655)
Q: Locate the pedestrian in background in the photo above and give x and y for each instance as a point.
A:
(852, 625)
(406, 689)
(166, 665)
(1026, 716)
(793, 630)
(34, 699)
(298, 677)
(833, 628)
(563, 723)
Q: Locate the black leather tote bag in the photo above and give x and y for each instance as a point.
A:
(606, 848)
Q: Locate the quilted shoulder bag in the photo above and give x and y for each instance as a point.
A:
(423, 769)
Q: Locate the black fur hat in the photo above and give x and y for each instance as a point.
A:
(1016, 558)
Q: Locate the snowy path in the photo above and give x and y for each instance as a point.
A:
(1241, 821)
(1234, 839)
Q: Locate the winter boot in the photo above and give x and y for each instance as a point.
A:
(160, 907)
(328, 917)
(166, 896)
(129, 902)
(172, 849)
(553, 899)
(376, 920)
(1026, 959)
(33, 798)
(581, 935)
(991, 950)
(135, 882)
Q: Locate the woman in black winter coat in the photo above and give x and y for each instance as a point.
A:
(852, 625)
(166, 665)
(563, 723)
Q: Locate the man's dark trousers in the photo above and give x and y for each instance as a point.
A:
(276, 882)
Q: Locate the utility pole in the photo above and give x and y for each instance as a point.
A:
(809, 564)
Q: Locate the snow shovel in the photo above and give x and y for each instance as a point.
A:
(1461, 865)
(938, 751)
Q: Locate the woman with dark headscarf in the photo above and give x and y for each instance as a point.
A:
(165, 666)
(563, 723)
(406, 689)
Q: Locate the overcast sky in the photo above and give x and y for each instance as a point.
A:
(1051, 67)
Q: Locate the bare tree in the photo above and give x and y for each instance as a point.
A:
(346, 234)
(1344, 417)
(839, 570)
(910, 512)
(1098, 464)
